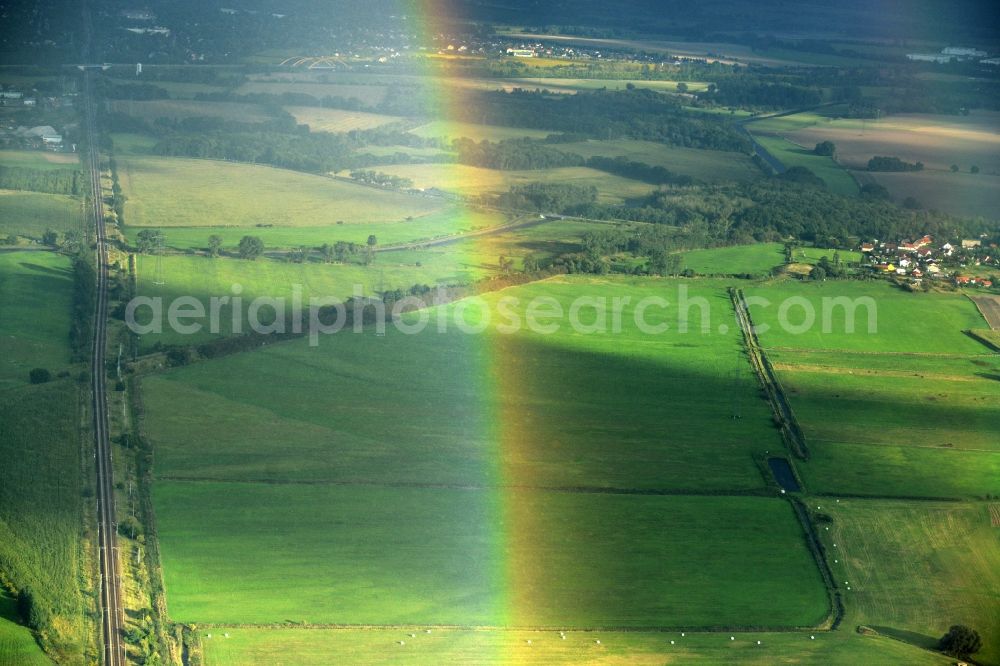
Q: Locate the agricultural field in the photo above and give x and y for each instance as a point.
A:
(393, 555)
(338, 120)
(756, 259)
(177, 192)
(477, 518)
(369, 95)
(31, 214)
(39, 159)
(576, 85)
(907, 411)
(447, 222)
(937, 141)
(34, 336)
(791, 154)
(705, 165)
(972, 195)
(456, 130)
(949, 575)
(457, 647)
(151, 111)
(472, 181)
(203, 278)
(17, 644)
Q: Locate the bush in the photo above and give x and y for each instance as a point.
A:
(39, 375)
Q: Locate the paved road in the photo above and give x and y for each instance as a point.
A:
(111, 606)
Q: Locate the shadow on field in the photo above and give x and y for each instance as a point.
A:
(911, 637)
(48, 270)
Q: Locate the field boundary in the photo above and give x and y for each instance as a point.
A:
(785, 419)
(582, 490)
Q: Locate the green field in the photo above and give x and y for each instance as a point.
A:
(31, 214)
(204, 278)
(337, 120)
(385, 555)
(756, 259)
(791, 154)
(39, 159)
(910, 410)
(17, 644)
(811, 255)
(455, 130)
(35, 291)
(477, 518)
(473, 181)
(575, 85)
(706, 165)
(447, 222)
(662, 368)
(949, 575)
(151, 111)
(175, 192)
(453, 647)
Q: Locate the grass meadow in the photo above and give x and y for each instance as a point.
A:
(455, 647)
(477, 518)
(153, 110)
(35, 293)
(910, 410)
(472, 181)
(446, 222)
(791, 154)
(915, 569)
(673, 375)
(456, 130)
(31, 214)
(707, 165)
(338, 120)
(756, 259)
(176, 192)
(257, 553)
(39, 159)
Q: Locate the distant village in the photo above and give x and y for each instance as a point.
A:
(14, 134)
(924, 259)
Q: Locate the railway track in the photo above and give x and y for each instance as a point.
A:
(112, 616)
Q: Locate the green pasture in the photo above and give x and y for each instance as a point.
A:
(650, 436)
(31, 214)
(457, 130)
(447, 222)
(705, 165)
(756, 259)
(152, 110)
(457, 647)
(39, 159)
(837, 179)
(465, 180)
(916, 568)
(928, 323)
(236, 552)
(178, 192)
(202, 278)
(35, 293)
